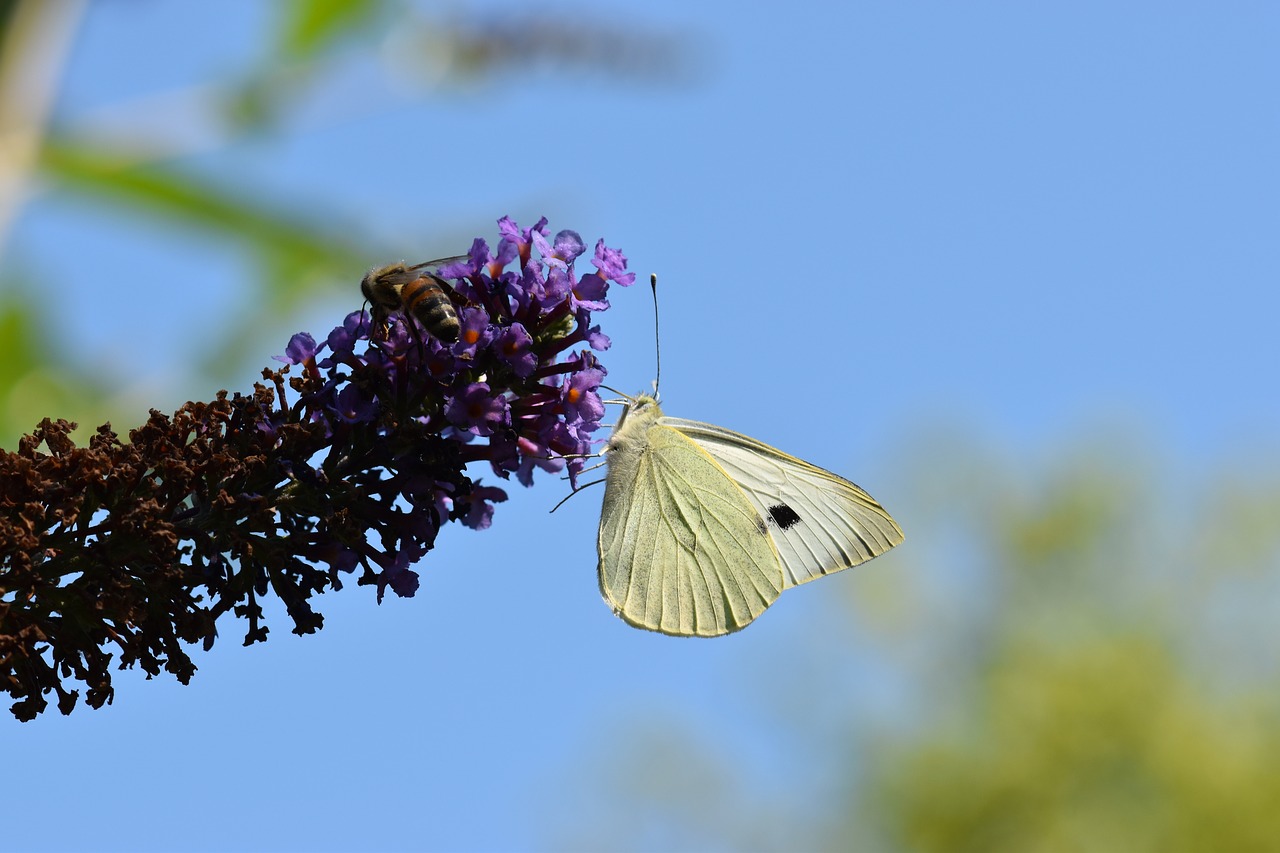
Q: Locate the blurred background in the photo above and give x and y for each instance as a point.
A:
(1011, 268)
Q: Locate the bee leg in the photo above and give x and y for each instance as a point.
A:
(363, 314)
(417, 336)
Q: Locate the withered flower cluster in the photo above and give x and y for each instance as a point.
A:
(137, 548)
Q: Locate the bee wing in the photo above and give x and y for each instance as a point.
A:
(440, 262)
(397, 276)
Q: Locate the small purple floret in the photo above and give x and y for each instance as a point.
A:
(612, 265)
(579, 397)
(589, 293)
(301, 349)
(402, 580)
(478, 410)
(568, 246)
(515, 347)
(480, 516)
(475, 331)
(354, 406)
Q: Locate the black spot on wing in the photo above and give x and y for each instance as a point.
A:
(783, 516)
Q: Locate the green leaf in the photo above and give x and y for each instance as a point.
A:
(310, 25)
(169, 194)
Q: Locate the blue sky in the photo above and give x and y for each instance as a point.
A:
(870, 220)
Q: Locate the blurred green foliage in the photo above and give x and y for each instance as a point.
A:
(1068, 666)
(1109, 743)
(308, 25)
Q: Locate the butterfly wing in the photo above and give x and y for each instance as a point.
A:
(682, 549)
(819, 522)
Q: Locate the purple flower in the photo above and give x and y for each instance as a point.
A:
(513, 233)
(569, 246)
(480, 515)
(474, 333)
(530, 292)
(301, 349)
(506, 254)
(440, 363)
(482, 261)
(566, 249)
(598, 340)
(589, 293)
(339, 557)
(586, 360)
(342, 340)
(519, 241)
(443, 503)
(402, 580)
(477, 410)
(595, 339)
(533, 454)
(354, 406)
(579, 397)
(399, 338)
(565, 440)
(612, 265)
(515, 347)
(477, 259)
(559, 285)
(504, 453)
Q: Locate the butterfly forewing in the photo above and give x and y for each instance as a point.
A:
(820, 522)
(682, 549)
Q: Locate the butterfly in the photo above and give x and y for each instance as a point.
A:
(703, 528)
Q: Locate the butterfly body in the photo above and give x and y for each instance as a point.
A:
(703, 528)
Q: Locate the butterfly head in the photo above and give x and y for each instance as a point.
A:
(640, 412)
(642, 405)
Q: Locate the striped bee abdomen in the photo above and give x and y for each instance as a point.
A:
(426, 298)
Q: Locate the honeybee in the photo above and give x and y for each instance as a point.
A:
(412, 291)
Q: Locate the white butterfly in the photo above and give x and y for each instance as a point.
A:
(703, 528)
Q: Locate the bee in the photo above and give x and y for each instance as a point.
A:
(412, 291)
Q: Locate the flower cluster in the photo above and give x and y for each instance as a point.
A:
(142, 545)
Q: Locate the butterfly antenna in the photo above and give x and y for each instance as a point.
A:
(575, 491)
(624, 400)
(657, 348)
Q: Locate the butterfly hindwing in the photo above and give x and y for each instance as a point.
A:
(682, 549)
(819, 522)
